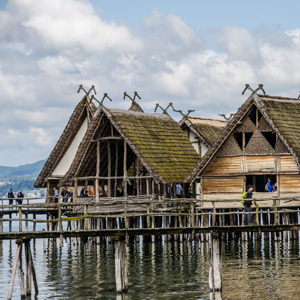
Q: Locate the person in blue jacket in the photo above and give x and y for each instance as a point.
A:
(269, 186)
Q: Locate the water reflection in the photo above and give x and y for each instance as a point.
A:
(252, 269)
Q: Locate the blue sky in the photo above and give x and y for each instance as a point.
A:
(197, 54)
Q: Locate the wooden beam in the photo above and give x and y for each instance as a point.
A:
(109, 170)
(125, 169)
(116, 170)
(109, 138)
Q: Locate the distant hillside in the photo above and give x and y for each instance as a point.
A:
(21, 178)
(29, 169)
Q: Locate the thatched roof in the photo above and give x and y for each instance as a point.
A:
(281, 113)
(80, 113)
(156, 139)
(207, 130)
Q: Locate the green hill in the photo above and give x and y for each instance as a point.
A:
(21, 178)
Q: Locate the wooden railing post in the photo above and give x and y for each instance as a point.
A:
(20, 218)
(60, 226)
(148, 215)
(214, 214)
(276, 219)
(85, 219)
(257, 212)
(125, 216)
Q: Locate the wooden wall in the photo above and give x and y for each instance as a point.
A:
(225, 166)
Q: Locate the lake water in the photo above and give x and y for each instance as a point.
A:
(161, 270)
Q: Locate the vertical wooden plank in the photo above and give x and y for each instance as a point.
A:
(85, 219)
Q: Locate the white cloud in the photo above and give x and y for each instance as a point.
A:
(48, 48)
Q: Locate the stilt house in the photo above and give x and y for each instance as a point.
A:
(126, 153)
(261, 141)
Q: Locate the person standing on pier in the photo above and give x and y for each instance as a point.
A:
(247, 202)
(11, 196)
(20, 197)
(178, 190)
(56, 195)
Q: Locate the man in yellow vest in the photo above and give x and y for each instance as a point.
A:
(247, 202)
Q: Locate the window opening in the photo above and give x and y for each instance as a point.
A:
(238, 136)
(248, 136)
(252, 115)
(259, 181)
(270, 137)
(255, 116)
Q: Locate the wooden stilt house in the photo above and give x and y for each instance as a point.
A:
(131, 151)
(66, 147)
(261, 141)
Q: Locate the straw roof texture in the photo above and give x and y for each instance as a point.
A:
(156, 139)
(208, 129)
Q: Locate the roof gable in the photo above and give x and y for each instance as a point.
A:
(82, 111)
(207, 130)
(281, 115)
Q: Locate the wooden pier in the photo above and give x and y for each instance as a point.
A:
(125, 220)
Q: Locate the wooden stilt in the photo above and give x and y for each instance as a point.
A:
(21, 275)
(19, 248)
(215, 268)
(33, 272)
(28, 268)
(121, 267)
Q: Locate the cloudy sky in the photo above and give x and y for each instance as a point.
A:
(197, 54)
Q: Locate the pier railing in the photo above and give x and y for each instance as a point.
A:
(172, 212)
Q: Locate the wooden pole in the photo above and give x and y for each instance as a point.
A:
(215, 268)
(20, 218)
(276, 219)
(75, 191)
(125, 169)
(21, 275)
(14, 271)
(121, 266)
(118, 272)
(137, 177)
(98, 240)
(116, 170)
(33, 272)
(60, 226)
(109, 170)
(28, 268)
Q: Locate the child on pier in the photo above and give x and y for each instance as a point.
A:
(248, 204)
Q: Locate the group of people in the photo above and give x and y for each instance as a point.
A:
(66, 195)
(179, 191)
(11, 197)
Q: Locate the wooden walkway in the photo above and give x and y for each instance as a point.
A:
(119, 220)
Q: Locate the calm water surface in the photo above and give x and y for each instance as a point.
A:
(161, 270)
